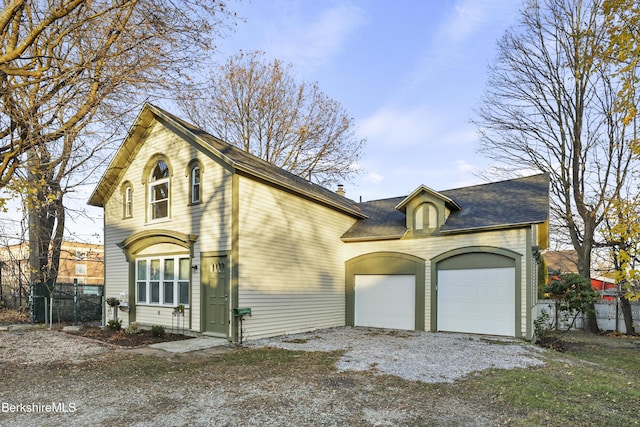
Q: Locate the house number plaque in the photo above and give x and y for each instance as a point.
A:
(217, 267)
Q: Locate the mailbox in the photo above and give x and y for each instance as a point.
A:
(241, 312)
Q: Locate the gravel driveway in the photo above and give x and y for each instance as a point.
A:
(105, 385)
(414, 356)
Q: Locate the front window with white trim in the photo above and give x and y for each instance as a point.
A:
(159, 191)
(163, 280)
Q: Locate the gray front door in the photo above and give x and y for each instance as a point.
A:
(215, 292)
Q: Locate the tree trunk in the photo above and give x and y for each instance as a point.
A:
(628, 317)
(584, 269)
(46, 225)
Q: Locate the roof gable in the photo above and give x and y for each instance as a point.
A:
(233, 157)
(423, 189)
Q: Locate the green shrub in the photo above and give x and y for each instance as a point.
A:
(542, 327)
(132, 329)
(114, 325)
(157, 331)
(573, 295)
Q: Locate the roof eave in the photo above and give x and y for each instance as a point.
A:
(371, 238)
(138, 128)
(142, 123)
(252, 172)
(491, 227)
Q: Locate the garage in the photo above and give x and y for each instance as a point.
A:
(477, 300)
(385, 301)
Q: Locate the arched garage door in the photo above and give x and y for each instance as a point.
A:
(385, 290)
(385, 301)
(476, 293)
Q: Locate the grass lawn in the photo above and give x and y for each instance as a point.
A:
(596, 381)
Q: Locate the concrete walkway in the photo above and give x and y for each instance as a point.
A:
(192, 344)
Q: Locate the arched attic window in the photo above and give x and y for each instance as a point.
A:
(194, 173)
(425, 217)
(127, 200)
(159, 191)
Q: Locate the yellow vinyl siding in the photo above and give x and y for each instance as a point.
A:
(152, 315)
(431, 247)
(209, 220)
(291, 270)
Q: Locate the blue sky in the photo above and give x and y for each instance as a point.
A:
(410, 73)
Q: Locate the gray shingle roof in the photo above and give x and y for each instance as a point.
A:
(499, 204)
(384, 221)
(262, 169)
(495, 205)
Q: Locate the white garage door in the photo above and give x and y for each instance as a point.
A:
(385, 301)
(478, 301)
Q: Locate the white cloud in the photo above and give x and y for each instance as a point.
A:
(373, 178)
(473, 16)
(464, 166)
(397, 127)
(312, 43)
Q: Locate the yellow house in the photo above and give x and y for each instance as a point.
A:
(192, 221)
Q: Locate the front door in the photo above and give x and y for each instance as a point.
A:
(215, 289)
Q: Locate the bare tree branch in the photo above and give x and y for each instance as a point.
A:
(259, 107)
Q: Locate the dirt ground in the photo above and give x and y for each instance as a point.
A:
(53, 378)
(123, 339)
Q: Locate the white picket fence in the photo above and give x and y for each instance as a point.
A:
(609, 315)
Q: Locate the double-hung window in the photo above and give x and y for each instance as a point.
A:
(163, 280)
(195, 184)
(128, 202)
(159, 191)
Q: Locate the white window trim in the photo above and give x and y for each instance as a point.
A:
(196, 187)
(128, 202)
(176, 282)
(152, 202)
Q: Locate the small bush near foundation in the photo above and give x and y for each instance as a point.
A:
(114, 325)
(133, 328)
(157, 331)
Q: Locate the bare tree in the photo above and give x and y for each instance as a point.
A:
(259, 107)
(550, 106)
(70, 71)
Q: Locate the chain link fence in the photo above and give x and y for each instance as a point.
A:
(66, 303)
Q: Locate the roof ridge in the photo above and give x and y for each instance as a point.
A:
(496, 182)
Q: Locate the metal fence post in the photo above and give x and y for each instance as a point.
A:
(75, 302)
(32, 304)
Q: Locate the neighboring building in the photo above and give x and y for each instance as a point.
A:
(566, 261)
(83, 262)
(192, 220)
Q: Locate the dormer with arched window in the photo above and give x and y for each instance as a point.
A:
(426, 210)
